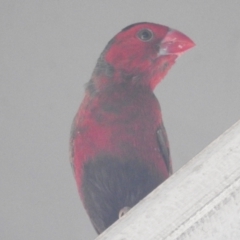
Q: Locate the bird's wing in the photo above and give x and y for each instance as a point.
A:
(164, 147)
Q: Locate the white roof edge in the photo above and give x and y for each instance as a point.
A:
(200, 201)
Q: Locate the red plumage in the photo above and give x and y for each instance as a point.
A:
(119, 146)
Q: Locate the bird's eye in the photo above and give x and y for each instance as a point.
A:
(145, 35)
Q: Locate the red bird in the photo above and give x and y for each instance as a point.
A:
(119, 146)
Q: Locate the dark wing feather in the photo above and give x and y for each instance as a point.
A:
(164, 147)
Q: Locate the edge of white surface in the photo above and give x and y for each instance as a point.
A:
(183, 202)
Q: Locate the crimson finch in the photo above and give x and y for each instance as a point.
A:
(119, 146)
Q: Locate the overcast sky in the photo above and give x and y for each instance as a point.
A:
(48, 50)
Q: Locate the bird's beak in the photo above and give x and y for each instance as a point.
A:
(175, 43)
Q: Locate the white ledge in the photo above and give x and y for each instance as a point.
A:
(200, 201)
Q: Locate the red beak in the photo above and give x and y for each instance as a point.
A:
(175, 43)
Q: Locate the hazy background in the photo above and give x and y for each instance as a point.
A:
(48, 50)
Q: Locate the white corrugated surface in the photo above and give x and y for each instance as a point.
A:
(200, 201)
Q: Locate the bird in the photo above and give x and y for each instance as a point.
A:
(118, 143)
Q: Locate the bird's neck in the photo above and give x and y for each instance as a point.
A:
(105, 75)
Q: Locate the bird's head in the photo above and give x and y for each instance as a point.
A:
(142, 53)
